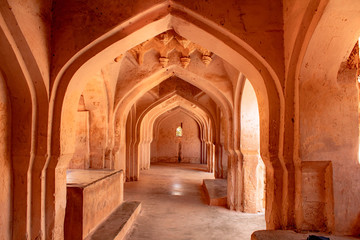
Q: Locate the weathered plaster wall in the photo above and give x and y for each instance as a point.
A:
(223, 152)
(165, 145)
(250, 129)
(329, 109)
(329, 132)
(293, 12)
(33, 25)
(208, 103)
(6, 192)
(95, 98)
(298, 18)
(80, 158)
(317, 195)
(91, 127)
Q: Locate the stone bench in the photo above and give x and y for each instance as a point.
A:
(215, 191)
(92, 195)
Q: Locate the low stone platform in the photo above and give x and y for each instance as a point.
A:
(291, 235)
(215, 191)
(117, 225)
(88, 199)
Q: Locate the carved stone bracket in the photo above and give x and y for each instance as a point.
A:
(185, 61)
(166, 42)
(163, 61)
(206, 59)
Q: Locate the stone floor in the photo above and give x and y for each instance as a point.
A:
(173, 207)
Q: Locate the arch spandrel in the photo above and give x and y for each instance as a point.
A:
(268, 24)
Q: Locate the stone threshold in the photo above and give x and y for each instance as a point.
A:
(118, 224)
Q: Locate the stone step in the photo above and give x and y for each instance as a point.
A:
(215, 191)
(117, 225)
(291, 235)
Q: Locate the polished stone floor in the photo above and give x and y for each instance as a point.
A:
(173, 207)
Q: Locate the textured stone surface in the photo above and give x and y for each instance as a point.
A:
(173, 207)
(117, 225)
(215, 191)
(166, 145)
(291, 235)
(61, 57)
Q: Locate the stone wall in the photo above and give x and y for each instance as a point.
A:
(165, 145)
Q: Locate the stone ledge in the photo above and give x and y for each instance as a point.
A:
(117, 225)
(291, 235)
(215, 191)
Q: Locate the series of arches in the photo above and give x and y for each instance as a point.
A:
(42, 125)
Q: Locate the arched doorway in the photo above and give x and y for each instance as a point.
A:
(254, 168)
(220, 92)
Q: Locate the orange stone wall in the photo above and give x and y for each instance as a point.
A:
(165, 145)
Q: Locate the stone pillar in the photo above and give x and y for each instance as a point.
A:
(5, 163)
(208, 157)
(213, 157)
(218, 161)
(203, 152)
(132, 164)
(148, 155)
(253, 182)
(235, 181)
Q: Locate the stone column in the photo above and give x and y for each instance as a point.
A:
(5, 163)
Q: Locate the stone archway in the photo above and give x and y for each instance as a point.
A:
(200, 115)
(79, 67)
(24, 86)
(183, 147)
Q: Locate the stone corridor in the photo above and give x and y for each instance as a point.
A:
(173, 207)
(100, 100)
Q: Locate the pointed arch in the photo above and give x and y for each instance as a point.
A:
(131, 33)
(148, 117)
(27, 91)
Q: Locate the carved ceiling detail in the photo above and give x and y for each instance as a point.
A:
(165, 43)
